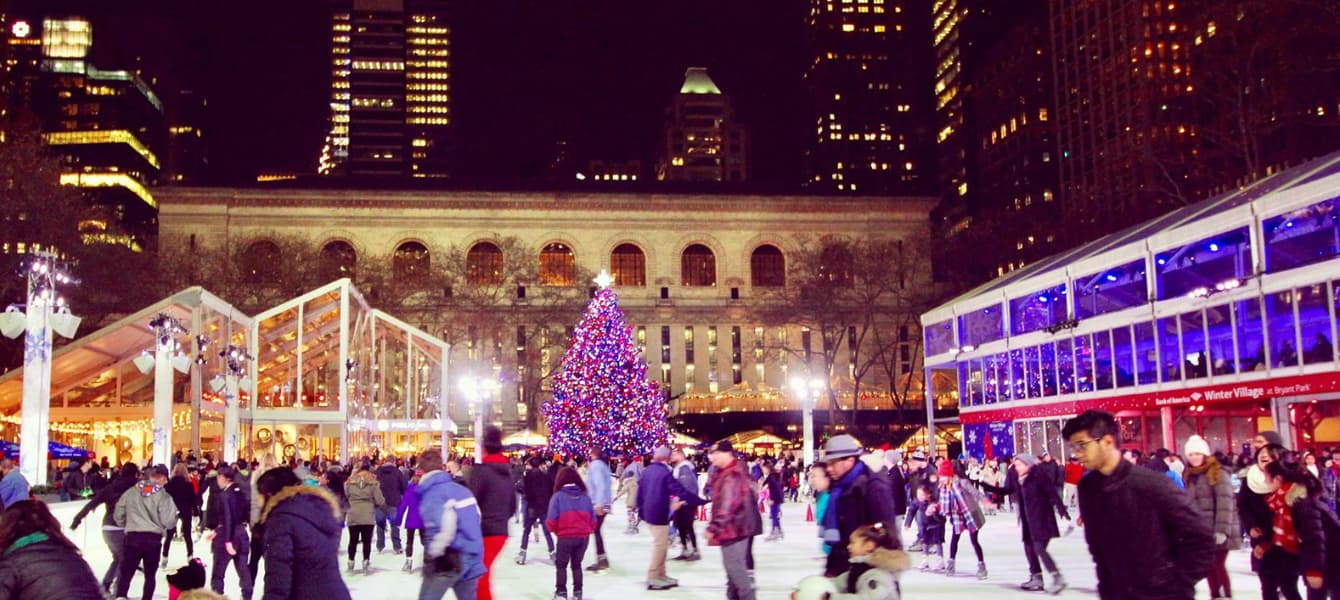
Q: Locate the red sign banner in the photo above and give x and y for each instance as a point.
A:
(1226, 393)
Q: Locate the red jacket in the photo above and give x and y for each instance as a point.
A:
(1073, 473)
(735, 513)
(571, 514)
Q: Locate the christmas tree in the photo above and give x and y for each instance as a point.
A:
(602, 397)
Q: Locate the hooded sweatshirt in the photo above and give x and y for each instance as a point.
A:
(146, 508)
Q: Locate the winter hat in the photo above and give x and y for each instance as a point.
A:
(1196, 445)
(1026, 458)
(919, 455)
(1272, 437)
(946, 468)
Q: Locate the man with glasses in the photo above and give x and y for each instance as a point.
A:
(1146, 538)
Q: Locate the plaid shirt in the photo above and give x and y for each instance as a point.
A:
(955, 509)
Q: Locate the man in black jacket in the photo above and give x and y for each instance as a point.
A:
(231, 508)
(112, 535)
(537, 487)
(393, 484)
(1145, 536)
(858, 496)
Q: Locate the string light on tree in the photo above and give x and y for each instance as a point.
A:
(602, 396)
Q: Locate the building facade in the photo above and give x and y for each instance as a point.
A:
(703, 142)
(867, 82)
(1217, 319)
(694, 274)
(390, 89)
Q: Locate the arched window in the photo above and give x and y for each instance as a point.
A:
(698, 266)
(338, 259)
(260, 261)
(835, 265)
(484, 264)
(411, 260)
(558, 266)
(628, 265)
(767, 267)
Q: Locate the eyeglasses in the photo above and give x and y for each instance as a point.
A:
(1080, 446)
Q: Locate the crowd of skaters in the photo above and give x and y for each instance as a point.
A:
(1155, 525)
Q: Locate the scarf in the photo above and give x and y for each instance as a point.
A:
(831, 534)
(1256, 480)
(27, 540)
(1210, 466)
(1286, 535)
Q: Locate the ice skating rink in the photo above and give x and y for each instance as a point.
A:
(778, 566)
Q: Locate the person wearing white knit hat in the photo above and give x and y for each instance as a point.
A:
(1209, 488)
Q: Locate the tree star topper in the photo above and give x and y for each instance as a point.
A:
(604, 279)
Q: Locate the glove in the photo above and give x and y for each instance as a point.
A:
(1220, 538)
(75, 524)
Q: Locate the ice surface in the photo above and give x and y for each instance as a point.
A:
(779, 565)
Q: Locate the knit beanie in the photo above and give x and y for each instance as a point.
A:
(1027, 459)
(1196, 445)
(946, 468)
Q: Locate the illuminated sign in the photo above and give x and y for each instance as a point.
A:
(21, 29)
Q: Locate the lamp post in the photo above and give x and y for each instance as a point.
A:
(231, 383)
(44, 312)
(808, 390)
(476, 389)
(166, 357)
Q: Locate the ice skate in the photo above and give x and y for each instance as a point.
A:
(351, 567)
(981, 570)
(602, 564)
(367, 567)
(409, 565)
(949, 567)
(1057, 584)
(1034, 583)
(521, 557)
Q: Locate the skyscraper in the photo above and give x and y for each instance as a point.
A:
(868, 84)
(997, 136)
(390, 91)
(703, 143)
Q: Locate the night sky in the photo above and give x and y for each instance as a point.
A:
(596, 73)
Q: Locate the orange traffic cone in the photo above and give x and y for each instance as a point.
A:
(702, 512)
(809, 513)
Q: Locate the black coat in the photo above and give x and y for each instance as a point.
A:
(302, 545)
(1315, 523)
(109, 495)
(868, 500)
(492, 485)
(183, 495)
(538, 487)
(393, 482)
(1147, 539)
(1039, 503)
(898, 487)
(47, 571)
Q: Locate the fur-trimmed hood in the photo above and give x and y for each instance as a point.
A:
(893, 561)
(295, 491)
(363, 478)
(1297, 492)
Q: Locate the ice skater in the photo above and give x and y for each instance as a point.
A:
(572, 517)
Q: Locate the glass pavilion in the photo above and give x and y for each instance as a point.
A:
(1217, 319)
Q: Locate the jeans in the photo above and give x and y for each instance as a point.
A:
(186, 535)
(436, 583)
(383, 518)
(600, 539)
(734, 557)
(1037, 551)
(242, 547)
(1279, 575)
(116, 543)
(141, 548)
(569, 554)
(532, 520)
(775, 512)
(355, 533)
(409, 541)
(660, 544)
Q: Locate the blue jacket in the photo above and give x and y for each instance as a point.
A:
(600, 483)
(458, 529)
(654, 491)
(571, 514)
(13, 488)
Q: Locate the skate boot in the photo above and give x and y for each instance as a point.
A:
(916, 546)
(1057, 584)
(367, 567)
(949, 567)
(1034, 583)
(163, 564)
(981, 570)
(351, 567)
(602, 564)
(521, 557)
(409, 565)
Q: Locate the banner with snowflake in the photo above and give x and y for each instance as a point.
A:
(989, 440)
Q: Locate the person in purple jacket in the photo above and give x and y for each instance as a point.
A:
(572, 519)
(408, 518)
